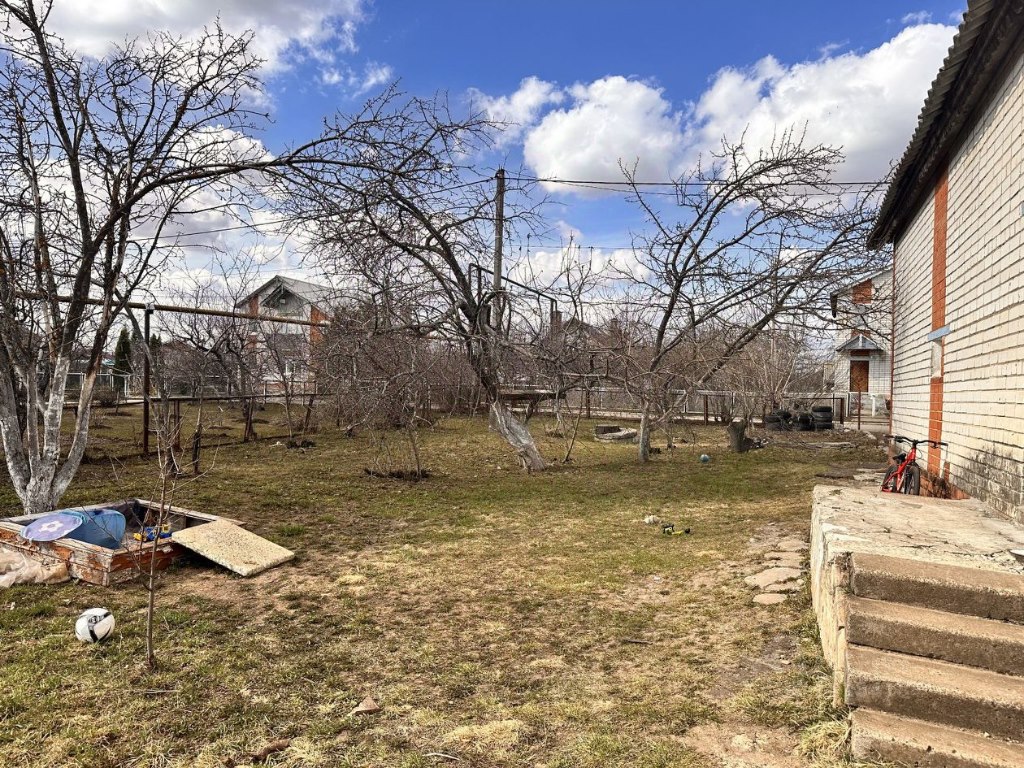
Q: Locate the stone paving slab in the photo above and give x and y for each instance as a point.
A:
(775, 575)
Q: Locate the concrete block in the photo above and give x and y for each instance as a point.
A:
(881, 736)
(936, 692)
(980, 592)
(993, 645)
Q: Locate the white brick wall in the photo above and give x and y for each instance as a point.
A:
(913, 318)
(983, 406)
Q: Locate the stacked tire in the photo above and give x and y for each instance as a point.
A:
(805, 422)
(779, 420)
(821, 417)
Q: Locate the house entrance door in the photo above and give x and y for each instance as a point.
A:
(859, 375)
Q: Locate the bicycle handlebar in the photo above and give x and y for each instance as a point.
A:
(915, 443)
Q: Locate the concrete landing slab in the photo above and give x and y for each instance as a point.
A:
(958, 532)
(235, 548)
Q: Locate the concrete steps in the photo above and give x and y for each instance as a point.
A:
(921, 610)
(934, 663)
(903, 740)
(936, 691)
(997, 646)
(980, 592)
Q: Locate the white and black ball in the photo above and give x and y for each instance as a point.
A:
(94, 625)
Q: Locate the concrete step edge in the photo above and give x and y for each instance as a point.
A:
(983, 592)
(997, 646)
(880, 735)
(935, 691)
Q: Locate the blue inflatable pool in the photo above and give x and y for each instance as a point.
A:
(103, 527)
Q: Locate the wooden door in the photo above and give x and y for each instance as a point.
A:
(859, 375)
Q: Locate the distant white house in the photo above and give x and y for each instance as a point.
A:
(862, 363)
(286, 348)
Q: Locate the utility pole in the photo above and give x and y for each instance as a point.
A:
(145, 382)
(499, 242)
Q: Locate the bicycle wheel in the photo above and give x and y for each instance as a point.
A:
(912, 480)
(889, 483)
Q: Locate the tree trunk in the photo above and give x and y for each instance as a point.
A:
(517, 435)
(738, 440)
(249, 431)
(643, 453)
(307, 418)
(572, 437)
(34, 459)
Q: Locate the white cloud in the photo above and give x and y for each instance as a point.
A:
(917, 17)
(373, 76)
(318, 28)
(520, 110)
(866, 103)
(548, 266)
(610, 121)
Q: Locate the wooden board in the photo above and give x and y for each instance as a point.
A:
(235, 548)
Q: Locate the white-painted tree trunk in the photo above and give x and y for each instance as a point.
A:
(643, 452)
(38, 474)
(517, 435)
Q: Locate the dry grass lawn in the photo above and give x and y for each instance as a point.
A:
(499, 619)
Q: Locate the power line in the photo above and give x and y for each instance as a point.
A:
(699, 183)
(273, 222)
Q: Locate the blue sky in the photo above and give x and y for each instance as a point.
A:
(586, 83)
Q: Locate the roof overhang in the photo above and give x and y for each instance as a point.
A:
(989, 39)
(860, 342)
(276, 297)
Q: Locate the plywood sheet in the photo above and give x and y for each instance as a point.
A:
(235, 548)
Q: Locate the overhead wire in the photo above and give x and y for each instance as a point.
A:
(692, 183)
(286, 220)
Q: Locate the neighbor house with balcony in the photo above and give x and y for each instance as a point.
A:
(862, 361)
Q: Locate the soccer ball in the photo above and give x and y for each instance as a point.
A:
(94, 625)
(704, 458)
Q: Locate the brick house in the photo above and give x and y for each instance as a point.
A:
(862, 365)
(286, 348)
(954, 214)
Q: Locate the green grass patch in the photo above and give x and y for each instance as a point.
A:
(494, 615)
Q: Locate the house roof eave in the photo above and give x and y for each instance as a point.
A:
(989, 34)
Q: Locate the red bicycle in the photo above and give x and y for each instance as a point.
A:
(904, 476)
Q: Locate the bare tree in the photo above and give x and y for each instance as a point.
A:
(759, 379)
(99, 161)
(416, 214)
(747, 239)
